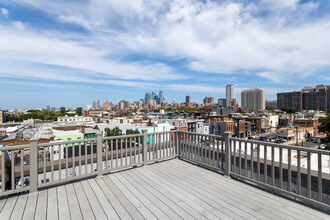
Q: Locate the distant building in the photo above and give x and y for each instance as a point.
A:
(96, 104)
(234, 103)
(147, 97)
(230, 93)
(188, 99)
(208, 101)
(106, 106)
(271, 104)
(198, 126)
(74, 119)
(152, 104)
(161, 96)
(122, 105)
(253, 99)
(308, 98)
(2, 117)
(88, 107)
(222, 103)
(48, 107)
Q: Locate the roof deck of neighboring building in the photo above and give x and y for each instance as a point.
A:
(173, 189)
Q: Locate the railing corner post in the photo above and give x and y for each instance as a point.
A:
(99, 154)
(177, 141)
(34, 165)
(227, 136)
(144, 147)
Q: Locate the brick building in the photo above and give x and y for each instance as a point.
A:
(308, 98)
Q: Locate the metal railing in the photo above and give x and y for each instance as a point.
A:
(296, 172)
(34, 166)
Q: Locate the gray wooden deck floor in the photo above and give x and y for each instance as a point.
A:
(169, 190)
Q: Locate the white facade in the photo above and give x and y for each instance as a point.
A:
(178, 123)
(273, 119)
(254, 99)
(74, 119)
(230, 93)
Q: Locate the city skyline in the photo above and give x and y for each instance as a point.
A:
(65, 53)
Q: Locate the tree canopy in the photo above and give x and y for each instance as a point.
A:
(325, 127)
(289, 110)
(113, 132)
(44, 115)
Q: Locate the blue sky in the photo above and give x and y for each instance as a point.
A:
(66, 53)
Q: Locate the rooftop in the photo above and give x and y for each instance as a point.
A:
(165, 190)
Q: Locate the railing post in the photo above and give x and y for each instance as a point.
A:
(99, 154)
(33, 165)
(144, 147)
(177, 142)
(227, 136)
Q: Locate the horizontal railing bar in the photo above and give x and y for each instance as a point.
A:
(67, 142)
(122, 136)
(14, 147)
(6, 193)
(205, 135)
(324, 152)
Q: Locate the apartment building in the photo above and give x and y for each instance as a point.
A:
(308, 98)
(2, 117)
(254, 99)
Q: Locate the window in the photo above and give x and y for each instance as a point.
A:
(69, 139)
(78, 138)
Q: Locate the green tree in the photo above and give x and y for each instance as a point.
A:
(113, 132)
(289, 110)
(325, 127)
(79, 111)
(131, 131)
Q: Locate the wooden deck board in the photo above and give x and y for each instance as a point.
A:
(52, 204)
(93, 201)
(249, 205)
(276, 203)
(172, 189)
(41, 210)
(106, 205)
(73, 203)
(177, 209)
(63, 205)
(19, 207)
(85, 207)
(8, 208)
(30, 207)
(135, 201)
(120, 209)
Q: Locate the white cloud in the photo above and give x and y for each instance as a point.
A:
(52, 50)
(4, 12)
(267, 36)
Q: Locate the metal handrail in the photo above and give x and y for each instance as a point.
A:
(251, 163)
(64, 161)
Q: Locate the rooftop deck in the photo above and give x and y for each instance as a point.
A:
(172, 189)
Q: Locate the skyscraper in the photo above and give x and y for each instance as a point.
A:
(230, 93)
(188, 99)
(161, 96)
(96, 104)
(147, 97)
(254, 99)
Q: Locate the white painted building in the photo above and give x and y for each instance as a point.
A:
(75, 118)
